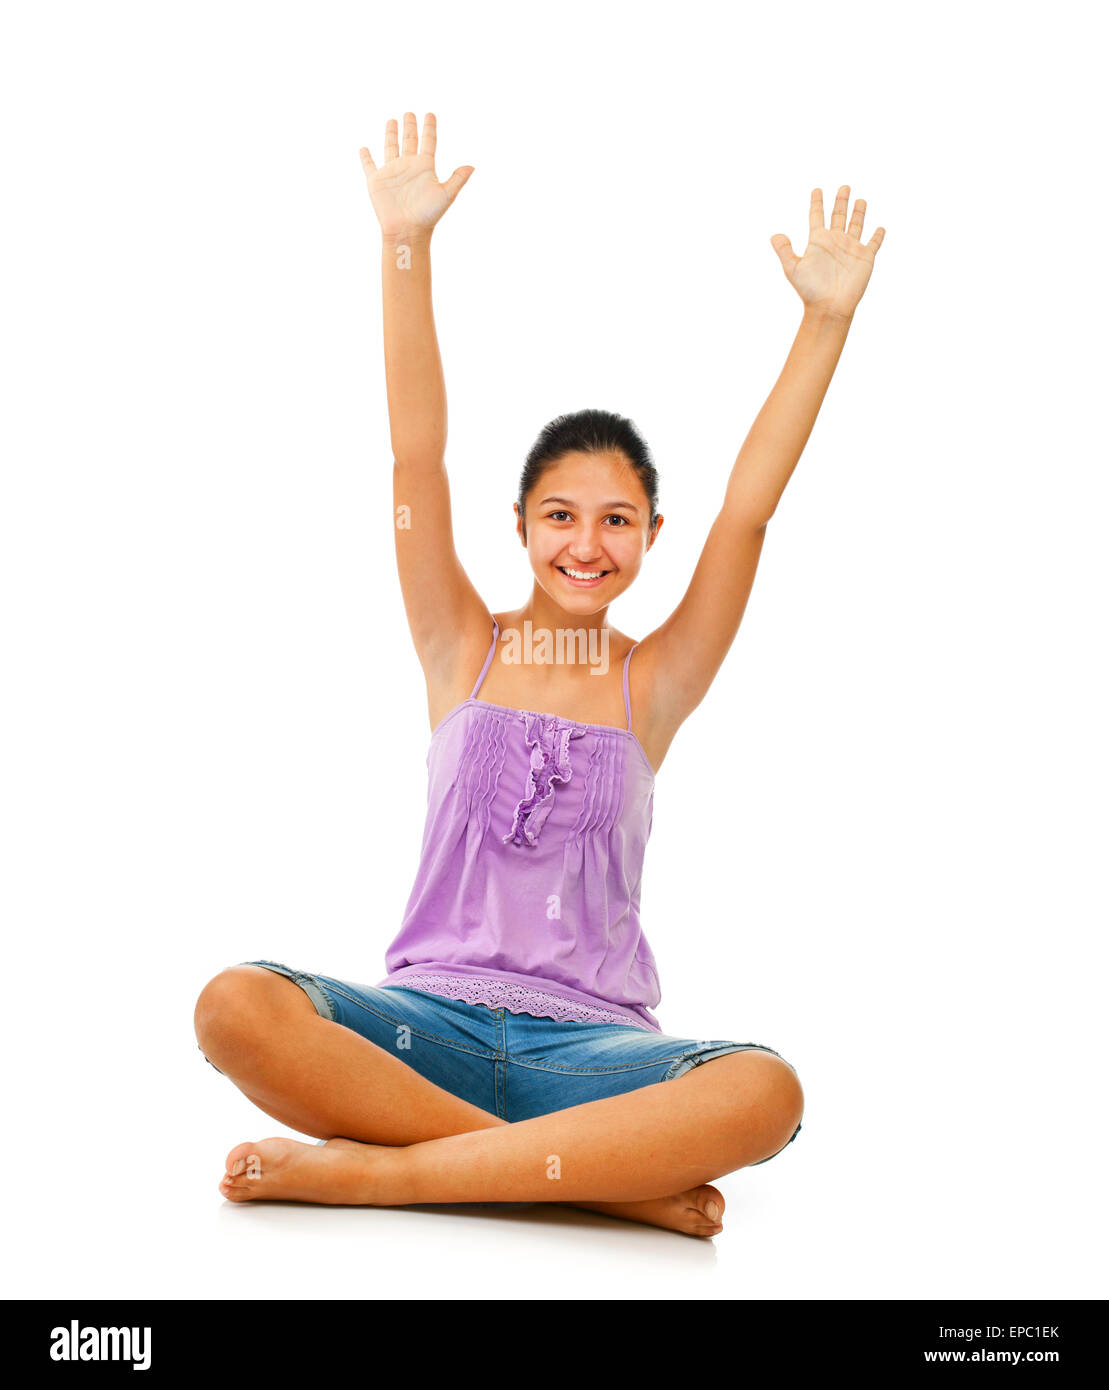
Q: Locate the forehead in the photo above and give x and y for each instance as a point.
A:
(591, 465)
(603, 480)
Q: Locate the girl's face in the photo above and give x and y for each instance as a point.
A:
(587, 529)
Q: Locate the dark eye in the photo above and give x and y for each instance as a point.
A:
(553, 516)
(623, 520)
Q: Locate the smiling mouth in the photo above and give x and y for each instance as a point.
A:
(577, 576)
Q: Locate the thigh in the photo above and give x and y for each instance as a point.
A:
(551, 1066)
(451, 1043)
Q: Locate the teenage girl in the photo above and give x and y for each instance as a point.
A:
(510, 1054)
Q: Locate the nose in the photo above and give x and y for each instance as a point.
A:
(584, 545)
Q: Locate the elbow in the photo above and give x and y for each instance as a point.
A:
(418, 461)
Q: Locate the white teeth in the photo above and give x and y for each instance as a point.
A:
(583, 574)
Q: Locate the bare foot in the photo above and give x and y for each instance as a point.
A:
(339, 1171)
(344, 1172)
(697, 1212)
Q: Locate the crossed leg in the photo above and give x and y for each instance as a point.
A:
(395, 1138)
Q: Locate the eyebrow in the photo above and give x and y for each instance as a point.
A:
(629, 505)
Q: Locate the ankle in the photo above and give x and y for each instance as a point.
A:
(390, 1175)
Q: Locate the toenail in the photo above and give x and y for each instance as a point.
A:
(712, 1211)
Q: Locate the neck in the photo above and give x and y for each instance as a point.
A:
(543, 612)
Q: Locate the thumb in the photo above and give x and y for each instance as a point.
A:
(454, 184)
(782, 245)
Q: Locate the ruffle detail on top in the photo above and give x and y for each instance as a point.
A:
(517, 999)
(548, 737)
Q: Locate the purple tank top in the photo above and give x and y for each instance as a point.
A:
(527, 893)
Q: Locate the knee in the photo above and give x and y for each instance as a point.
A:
(774, 1091)
(228, 1007)
(790, 1097)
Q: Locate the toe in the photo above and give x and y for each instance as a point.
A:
(710, 1203)
(238, 1159)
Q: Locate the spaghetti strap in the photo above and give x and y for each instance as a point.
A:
(627, 697)
(488, 659)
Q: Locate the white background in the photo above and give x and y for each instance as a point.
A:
(879, 842)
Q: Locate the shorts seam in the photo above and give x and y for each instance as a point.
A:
(699, 1056)
(594, 1071)
(693, 1057)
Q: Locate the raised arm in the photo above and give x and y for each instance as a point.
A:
(685, 653)
(440, 602)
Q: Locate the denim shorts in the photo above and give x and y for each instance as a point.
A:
(515, 1066)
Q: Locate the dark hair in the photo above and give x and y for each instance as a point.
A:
(590, 432)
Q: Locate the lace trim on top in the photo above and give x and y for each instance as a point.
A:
(517, 999)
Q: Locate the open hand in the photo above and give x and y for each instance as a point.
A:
(836, 266)
(406, 195)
